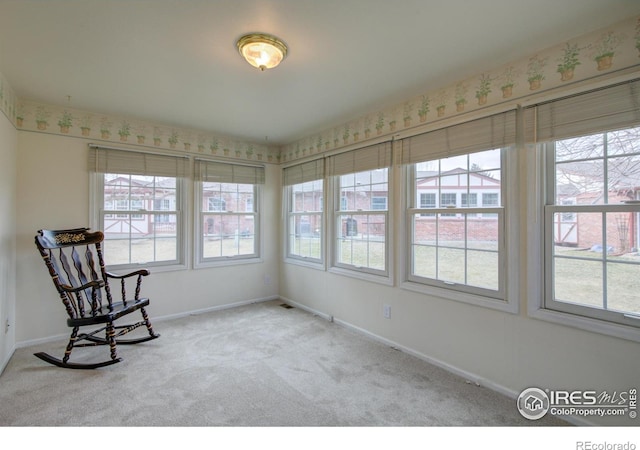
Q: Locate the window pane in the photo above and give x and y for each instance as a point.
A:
(580, 148)
(362, 240)
(578, 281)
(228, 235)
(358, 191)
(305, 240)
(587, 246)
(483, 269)
(624, 142)
(458, 248)
(623, 294)
(485, 161)
(133, 236)
(305, 230)
(140, 240)
(424, 260)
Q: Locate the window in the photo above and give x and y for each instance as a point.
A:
(457, 247)
(304, 190)
(591, 224)
(139, 206)
(361, 220)
(591, 148)
(228, 224)
(305, 220)
(454, 246)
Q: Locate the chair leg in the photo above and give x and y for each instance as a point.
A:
(111, 339)
(147, 322)
(72, 340)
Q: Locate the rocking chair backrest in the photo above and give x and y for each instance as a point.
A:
(74, 258)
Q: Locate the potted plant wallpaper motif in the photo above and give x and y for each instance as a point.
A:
(604, 49)
(569, 62)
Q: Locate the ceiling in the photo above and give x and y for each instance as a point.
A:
(175, 62)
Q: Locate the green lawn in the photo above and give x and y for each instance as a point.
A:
(579, 274)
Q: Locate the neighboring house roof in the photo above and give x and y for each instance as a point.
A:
(428, 176)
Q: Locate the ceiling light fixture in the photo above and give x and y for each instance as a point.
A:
(262, 50)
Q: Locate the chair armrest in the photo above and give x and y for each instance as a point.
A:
(143, 272)
(95, 284)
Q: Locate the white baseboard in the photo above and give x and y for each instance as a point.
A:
(156, 319)
(469, 376)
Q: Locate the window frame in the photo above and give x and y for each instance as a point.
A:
(506, 297)
(384, 276)
(613, 109)
(551, 208)
(290, 214)
(199, 214)
(98, 213)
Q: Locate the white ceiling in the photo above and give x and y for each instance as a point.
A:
(175, 61)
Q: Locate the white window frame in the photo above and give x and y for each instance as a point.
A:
(337, 212)
(613, 100)
(290, 215)
(99, 213)
(550, 209)
(203, 262)
(506, 297)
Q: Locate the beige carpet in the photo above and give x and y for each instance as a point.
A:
(257, 365)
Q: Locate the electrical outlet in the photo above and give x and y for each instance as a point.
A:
(6, 327)
(267, 280)
(386, 311)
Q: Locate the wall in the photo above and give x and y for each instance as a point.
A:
(53, 192)
(8, 152)
(505, 351)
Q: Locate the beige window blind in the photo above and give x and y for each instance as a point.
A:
(495, 131)
(372, 157)
(218, 172)
(110, 160)
(613, 107)
(301, 173)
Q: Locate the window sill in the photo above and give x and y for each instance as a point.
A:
(305, 262)
(380, 279)
(224, 262)
(472, 299)
(153, 269)
(588, 324)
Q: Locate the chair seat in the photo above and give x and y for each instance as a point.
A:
(106, 314)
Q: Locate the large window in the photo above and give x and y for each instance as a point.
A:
(456, 243)
(457, 210)
(361, 221)
(139, 198)
(361, 209)
(228, 225)
(304, 190)
(591, 147)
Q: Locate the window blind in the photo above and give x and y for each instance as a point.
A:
(609, 108)
(228, 173)
(496, 131)
(372, 157)
(109, 160)
(301, 173)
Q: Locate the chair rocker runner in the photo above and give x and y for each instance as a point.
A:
(75, 262)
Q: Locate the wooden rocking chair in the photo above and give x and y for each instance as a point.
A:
(75, 263)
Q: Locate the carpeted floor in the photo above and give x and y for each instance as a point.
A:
(257, 365)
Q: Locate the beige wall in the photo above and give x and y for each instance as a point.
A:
(53, 192)
(8, 151)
